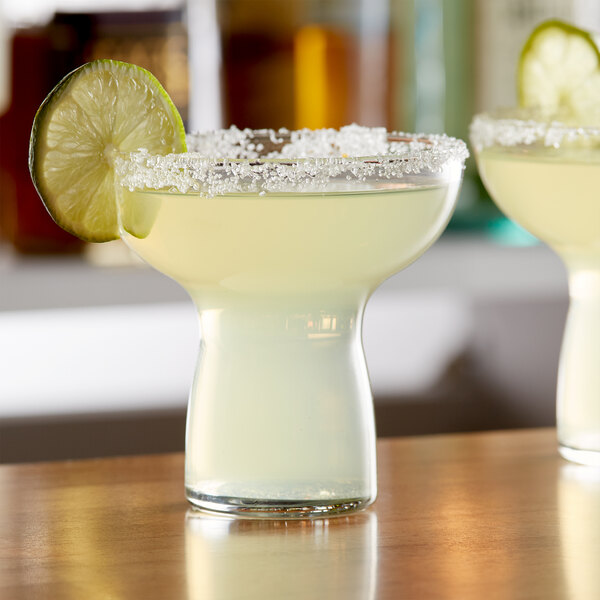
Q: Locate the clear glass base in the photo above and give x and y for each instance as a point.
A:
(275, 509)
(582, 457)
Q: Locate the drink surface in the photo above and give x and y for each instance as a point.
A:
(287, 243)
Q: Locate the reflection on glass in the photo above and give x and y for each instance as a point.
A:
(579, 512)
(242, 558)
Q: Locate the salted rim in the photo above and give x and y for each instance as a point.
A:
(235, 160)
(514, 127)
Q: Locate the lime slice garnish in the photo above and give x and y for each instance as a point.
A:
(103, 108)
(559, 73)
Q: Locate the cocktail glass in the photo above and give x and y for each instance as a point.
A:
(279, 242)
(546, 177)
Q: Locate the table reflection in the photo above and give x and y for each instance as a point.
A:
(579, 516)
(241, 558)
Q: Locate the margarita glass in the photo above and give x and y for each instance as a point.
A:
(279, 243)
(546, 177)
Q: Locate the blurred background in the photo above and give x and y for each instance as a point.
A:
(97, 350)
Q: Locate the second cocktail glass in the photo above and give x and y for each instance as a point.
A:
(279, 242)
(546, 176)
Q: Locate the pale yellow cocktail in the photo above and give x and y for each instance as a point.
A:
(280, 419)
(279, 237)
(547, 178)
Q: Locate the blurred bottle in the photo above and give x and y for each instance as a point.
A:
(41, 55)
(298, 63)
(33, 71)
(4, 61)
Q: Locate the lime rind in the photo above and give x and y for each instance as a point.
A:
(96, 112)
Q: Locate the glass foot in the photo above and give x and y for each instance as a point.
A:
(275, 509)
(582, 457)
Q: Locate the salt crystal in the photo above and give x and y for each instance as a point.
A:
(254, 161)
(524, 128)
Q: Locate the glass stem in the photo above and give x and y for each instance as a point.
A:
(281, 407)
(578, 398)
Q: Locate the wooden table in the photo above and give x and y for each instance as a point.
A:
(483, 516)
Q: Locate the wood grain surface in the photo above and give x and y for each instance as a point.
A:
(471, 516)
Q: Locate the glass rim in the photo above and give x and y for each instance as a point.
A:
(231, 160)
(519, 126)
